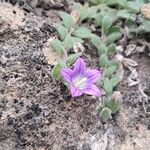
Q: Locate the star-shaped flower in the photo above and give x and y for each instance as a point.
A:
(81, 79)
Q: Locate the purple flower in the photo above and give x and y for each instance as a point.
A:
(81, 79)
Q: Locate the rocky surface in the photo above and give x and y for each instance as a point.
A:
(37, 112)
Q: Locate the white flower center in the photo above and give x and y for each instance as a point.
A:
(80, 82)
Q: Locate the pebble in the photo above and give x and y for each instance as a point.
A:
(13, 2)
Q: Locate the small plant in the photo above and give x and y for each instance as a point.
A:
(130, 12)
(105, 15)
(70, 32)
(109, 108)
(81, 80)
(63, 64)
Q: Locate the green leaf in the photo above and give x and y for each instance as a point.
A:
(111, 2)
(107, 23)
(98, 19)
(113, 29)
(57, 68)
(56, 71)
(113, 37)
(77, 40)
(123, 3)
(106, 114)
(103, 60)
(82, 32)
(101, 17)
(84, 12)
(67, 19)
(125, 14)
(102, 49)
(77, 6)
(108, 86)
(92, 11)
(144, 27)
(94, 1)
(113, 105)
(114, 81)
(135, 5)
(112, 48)
(57, 46)
(110, 70)
(63, 31)
(95, 40)
(72, 58)
(68, 42)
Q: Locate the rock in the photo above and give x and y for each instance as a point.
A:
(8, 17)
(1, 21)
(21, 2)
(27, 8)
(39, 4)
(13, 2)
(46, 6)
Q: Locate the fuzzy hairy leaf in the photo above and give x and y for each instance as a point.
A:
(103, 60)
(115, 80)
(123, 3)
(77, 40)
(101, 17)
(68, 42)
(98, 19)
(135, 5)
(72, 58)
(103, 1)
(56, 71)
(102, 49)
(57, 46)
(110, 70)
(82, 32)
(67, 19)
(108, 86)
(112, 48)
(95, 40)
(84, 13)
(143, 28)
(113, 105)
(94, 1)
(106, 113)
(113, 37)
(112, 2)
(57, 68)
(107, 23)
(113, 29)
(84, 10)
(126, 14)
(63, 31)
(92, 11)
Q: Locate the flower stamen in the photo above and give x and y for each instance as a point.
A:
(80, 82)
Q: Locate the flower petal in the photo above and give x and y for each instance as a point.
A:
(79, 66)
(93, 75)
(67, 74)
(92, 90)
(75, 92)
